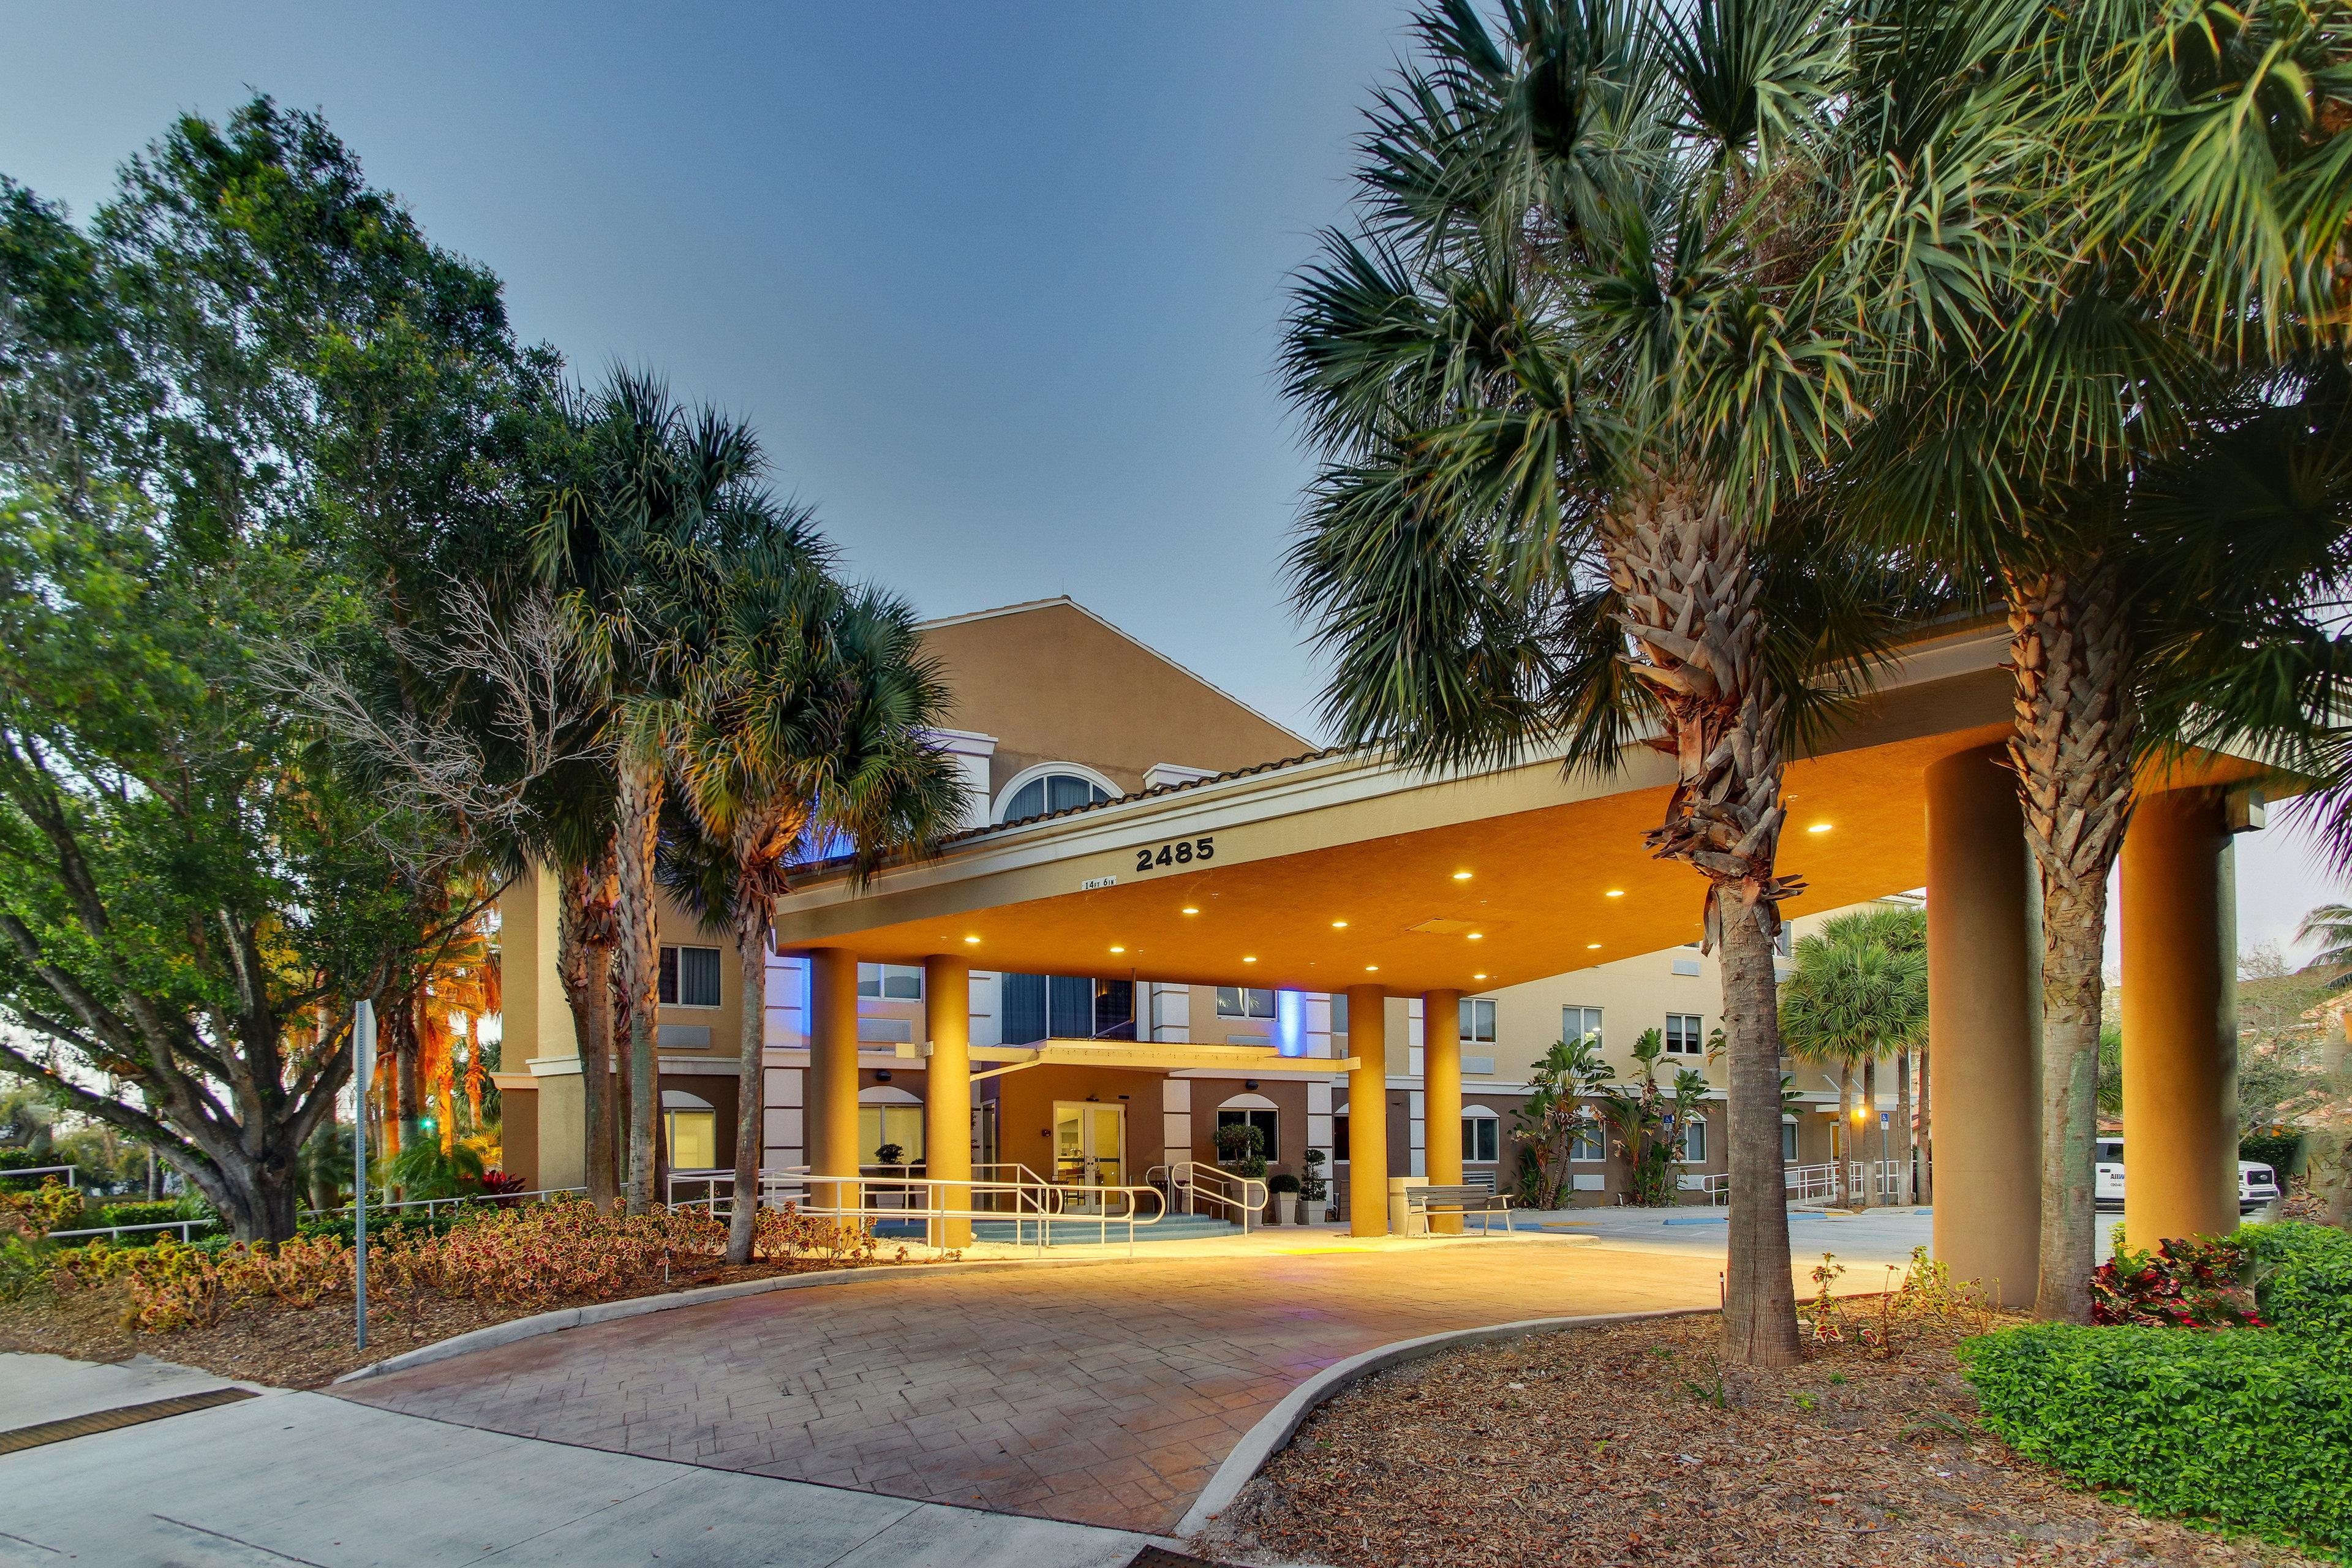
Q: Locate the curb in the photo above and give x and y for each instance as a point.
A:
(1279, 1425)
(562, 1318)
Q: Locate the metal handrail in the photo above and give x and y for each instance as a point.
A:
(1220, 1188)
(1040, 1202)
(1803, 1183)
(774, 1181)
(428, 1205)
(71, 1180)
(182, 1225)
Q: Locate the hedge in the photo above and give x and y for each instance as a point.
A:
(2279, 1151)
(2246, 1427)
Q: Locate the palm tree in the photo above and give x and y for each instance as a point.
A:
(2331, 926)
(1857, 991)
(628, 539)
(2055, 393)
(1563, 376)
(810, 727)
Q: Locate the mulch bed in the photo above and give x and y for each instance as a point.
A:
(1634, 1444)
(290, 1348)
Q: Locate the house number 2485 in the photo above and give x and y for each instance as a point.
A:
(1181, 852)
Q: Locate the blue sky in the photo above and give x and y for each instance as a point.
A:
(997, 283)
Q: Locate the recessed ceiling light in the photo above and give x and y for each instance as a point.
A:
(1372, 969)
(1251, 958)
(1614, 893)
(1590, 945)
(1191, 909)
(1118, 950)
(1477, 936)
(1478, 977)
(1338, 925)
(1461, 876)
(972, 940)
(1819, 828)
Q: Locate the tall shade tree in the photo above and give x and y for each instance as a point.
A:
(199, 463)
(1856, 992)
(630, 538)
(1564, 375)
(811, 724)
(2062, 391)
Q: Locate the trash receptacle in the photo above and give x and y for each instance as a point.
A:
(1400, 1223)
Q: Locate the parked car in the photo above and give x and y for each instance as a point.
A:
(2257, 1184)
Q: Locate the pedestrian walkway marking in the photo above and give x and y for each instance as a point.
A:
(44, 1432)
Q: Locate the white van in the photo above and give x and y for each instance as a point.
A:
(2257, 1184)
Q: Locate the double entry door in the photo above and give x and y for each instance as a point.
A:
(1089, 1151)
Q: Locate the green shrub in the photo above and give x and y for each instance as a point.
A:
(384, 1227)
(160, 1212)
(2303, 1278)
(2279, 1152)
(2247, 1427)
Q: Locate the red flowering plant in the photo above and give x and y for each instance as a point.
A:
(2196, 1283)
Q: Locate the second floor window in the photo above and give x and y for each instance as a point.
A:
(1580, 1023)
(896, 982)
(1683, 1036)
(1478, 1020)
(1239, 1002)
(1052, 792)
(689, 977)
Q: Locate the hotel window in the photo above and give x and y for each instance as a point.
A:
(1482, 1140)
(692, 1131)
(1267, 1122)
(882, 1124)
(893, 981)
(1478, 1020)
(1340, 1139)
(1580, 1023)
(1065, 1007)
(1695, 1142)
(1788, 1142)
(1591, 1142)
(1238, 1002)
(1683, 1035)
(689, 977)
(1052, 792)
(1338, 1012)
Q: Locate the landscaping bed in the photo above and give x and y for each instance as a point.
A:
(284, 1315)
(1633, 1442)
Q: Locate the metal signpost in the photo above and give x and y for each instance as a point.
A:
(363, 1072)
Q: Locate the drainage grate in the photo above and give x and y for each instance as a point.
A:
(108, 1420)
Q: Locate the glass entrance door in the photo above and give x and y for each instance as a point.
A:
(1089, 1150)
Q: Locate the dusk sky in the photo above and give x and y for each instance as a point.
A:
(998, 285)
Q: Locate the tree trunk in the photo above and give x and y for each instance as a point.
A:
(1927, 1129)
(638, 965)
(2328, 1160)
(1842, 1136)
(1870, 1164)
(1679, 564)
(1760, 1324)
(584, 962)
(1908, 1190)
(2072, 750)
(750, 1080)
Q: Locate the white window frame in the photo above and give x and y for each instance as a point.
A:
(1477, 1013)
(1475, 1117)
(1683, 1155)
(1030, 774)
(1600, 1039)
(1593, 1133)
(1697, 1047)
(1244, 1002)
(679, 970)
(1789, 1143)
(875, 981)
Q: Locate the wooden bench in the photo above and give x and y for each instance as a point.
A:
(1427, 1200)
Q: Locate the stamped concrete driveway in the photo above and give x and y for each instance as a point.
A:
(1098, 1392)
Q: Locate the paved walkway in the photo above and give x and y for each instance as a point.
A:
(1102, 1392)
(304, 1479)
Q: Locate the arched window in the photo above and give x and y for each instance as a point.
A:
(889, 1118)
(1056, 787)
(691, 1123)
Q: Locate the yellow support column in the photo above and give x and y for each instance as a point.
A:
(1984, 1026)
(947, 1094)
(1440, 1097)
(1368, 1111)
(832, 1097)
(2180, 1020)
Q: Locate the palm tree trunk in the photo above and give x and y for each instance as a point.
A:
(751, 1078)
(1907, 1191)
(1842, 1138)
(1927, 1129)
(1870, 1191)
(584, 962)
(1678, 563)
(638, 813)
(2329, 1162)
(2072, 749)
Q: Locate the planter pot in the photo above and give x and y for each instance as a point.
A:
(1298, 1213)
(1273, 1215)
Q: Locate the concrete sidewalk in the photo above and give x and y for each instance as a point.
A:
(302, 1477)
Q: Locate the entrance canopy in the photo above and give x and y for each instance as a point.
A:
(1339, 870)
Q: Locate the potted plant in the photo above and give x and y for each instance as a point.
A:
(1313, 1189)
(889, 1154)
(1283, 1188)
(1241, 1149)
